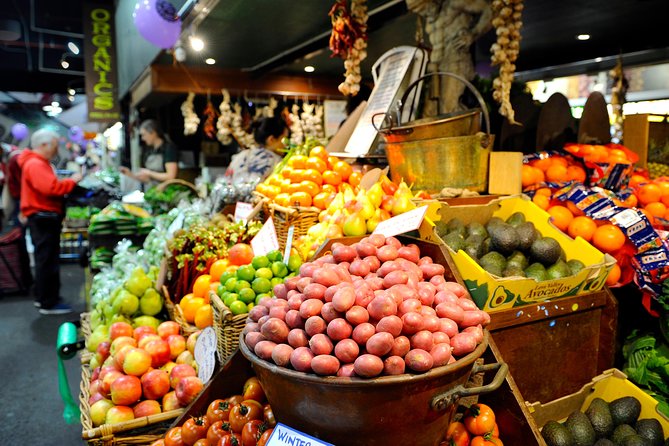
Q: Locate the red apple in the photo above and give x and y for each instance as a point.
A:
(146, 408)
(95, 397)
(120, 342)
(106, 369)
(107, 381)
(146, 338)
(119, 414)
(99, 411)
(170, 401)
(109, 362)
(118, 329)
(168, 367)
(126, 390)
(177, 345)
(168, 328)
(192, 339)
(144, 329)
(137, 362)
(180, 371)
(186, 357)
(119, 357)
(159, 350)
(104, 349)
(155, 384)
(188, 389)
(95, 374)
(95, 386)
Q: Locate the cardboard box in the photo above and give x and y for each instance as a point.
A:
(496, 293)
(610, 385)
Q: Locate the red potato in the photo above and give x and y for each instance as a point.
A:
(278, 311)
(346, 371)
(368, 366)
(302, 283)
(365, 249)
(448, 326)
(386, 253)
(295, 301)
(281, 354)
(275, 330)
(377, 240)
(320, 344)
(253, 338)
(266, 302)
(311, 307)
(456, 289)
(409, 267)
(428, 286)
(347, 350)
(315, 291)
(342, 272)
(424, 261)
(401, 346)
(363, 296)
(410, 252)
(343, 253)
(291, 283)
(477, 331)
(329, 293)
(325, 365)
(290, 293)
(431, 323)
(298, 338)
(419, 360)
(447, 297)
(412, 323)
(374, 281)
(373, 262)
(402, 291)
(382, 306)
(306, 270)
(467, 304)
(380, 344)
(472, 318)
(326, 276)
(339, 329)
(441, 354)
(278, 303)
(262, 320)
(328, 258)
(315, 325)
(463, 343)
(363, 332)
(390, 324)
(427, 311)
(328, 312)
(432, 269)
(280, 291)
(359, 268)
(422, 340)
(357, 314)
(257, 312)
(301, 358)
(343, 299)
(393, 365)
(293, 319)
(439, 337)
(408, 306)
(451, 311)
(388, 267)
(250, 327)
(392, 241)
(486, 318)
(264, 349)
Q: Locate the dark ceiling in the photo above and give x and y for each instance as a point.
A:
(279, 35)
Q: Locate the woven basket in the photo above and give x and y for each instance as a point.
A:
(140, 431)
(302, 218)
(85, 327)
(228, 328)
(177, 315)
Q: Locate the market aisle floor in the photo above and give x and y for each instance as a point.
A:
(32, 410)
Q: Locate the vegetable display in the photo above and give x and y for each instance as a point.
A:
(169, 197)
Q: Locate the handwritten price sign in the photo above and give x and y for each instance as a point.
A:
(265, 240)
(402, 223)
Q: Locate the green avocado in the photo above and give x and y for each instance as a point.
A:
(625, 410)
(575, 266)
(455, 241)
(493, 222)
(579, 425)
(600, 417)
(536, 271)
(635, 440)
(621, 431)
(493, 262)
(518, 258)
(546, 251)
(558, 270)
(604, 442)
(476, 228)
(504, 239)
(555, 434)
(456, 225)
(527, 234)
(515, 219)
(651, 430)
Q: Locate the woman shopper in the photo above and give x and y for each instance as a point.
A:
(160, 162)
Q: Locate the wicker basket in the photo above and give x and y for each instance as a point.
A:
(85, 328)
(228, 328)
(302, 218)
(177, 315)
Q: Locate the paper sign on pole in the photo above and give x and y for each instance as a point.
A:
(242, 211)
(205, 354)
(265, 240)
(283, 435)
(289, 243)
(402, 223)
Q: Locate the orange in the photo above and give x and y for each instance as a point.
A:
(582, 226)
(558, 160)
(632, 201)
(542, 164)
(617, 153)
(635, 180)
(574, 210)
(331, 177)
(204, 316)
(217, 268)
(354, 179)
(343, 168)
(649, 216)
(545, 191)
(576, 173)
(316, 163)
(320, 152)
(323, 200)
(608, 238)
(561, 217)
(300, 199)
(189, 307)
(297, 161)
(664, 187)
(649, 193)
(201, 285)
(310, 187)
(541, 200)
(329, 188)
(240, 254)
(296, 175)
(283, 199)
(656, 209)
(557, 173)
(614, 275)
(312, 175)
(528, 175)
(286, 171)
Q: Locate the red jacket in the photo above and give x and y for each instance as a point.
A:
(13, 175)
(41, 191)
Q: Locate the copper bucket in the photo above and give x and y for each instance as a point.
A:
(409, 409)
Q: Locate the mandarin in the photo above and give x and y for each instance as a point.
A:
(332, 177)
(300, 199)
(316, 163)
(608, 238)
(527, 175)
(354, 179)
(541, 200)
(320, 152)
(558, 160)
(576, 173)
(561, 217)
(614, 275)
(649, 193)
(541, 164)
(574, 209)
(297, 161)
(636, 180)
(201, 285)
(583, 227)
(656, 209)
(631, 201)
(556, 173)
(343, 168)
(309, 187)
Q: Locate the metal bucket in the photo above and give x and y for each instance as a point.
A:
(432, 154)
(391, 410)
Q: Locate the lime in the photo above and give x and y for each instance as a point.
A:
(247, 295)
(276, 281)
(238, 307)
(275, 256)
(293, 274)
(261, 285)
(221, 289)
(250, 306)
(226, 275)
(260, 296)
(279, 269)
(265, 273)
(231, 283)
(241, 284)
(232, 297)
(260, 262)
(224, 294)
(294, 262)
(246, 272)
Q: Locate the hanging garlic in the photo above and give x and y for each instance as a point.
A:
(296, 130)
(191, 120)
(224, 122)
(243, 138)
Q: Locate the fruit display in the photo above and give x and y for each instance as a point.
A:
(244, 419)
(143, 371)
(477, 427)
(372, 308)
(121, 219)
(164, 199)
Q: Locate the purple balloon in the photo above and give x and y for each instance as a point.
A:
(19, 131)
(157, 22)
(76, 134)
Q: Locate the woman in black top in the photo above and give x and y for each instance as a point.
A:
(160, 163)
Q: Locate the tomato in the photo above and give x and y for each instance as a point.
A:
(244, 412)
(202, 442)
(268, 415)
(251, 432)
(217, 430)
(495, 431)
(173, 437)
(194, 429)
(231, 439)
(479, 419)
(457, 435)
(253, 390)
(486, 440)
(234, 400)
(218, 410)
(264, 438)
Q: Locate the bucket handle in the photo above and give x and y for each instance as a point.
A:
(441, 402)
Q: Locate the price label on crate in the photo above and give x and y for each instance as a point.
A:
(265, 240)
(205, 354)
(283, 435)
(242, 211)
(402, 223)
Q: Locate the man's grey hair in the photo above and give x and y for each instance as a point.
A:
(42, 136)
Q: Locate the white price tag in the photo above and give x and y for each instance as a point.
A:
(205, 354)
(265, 240)
(242, 211)
(283, 435)
(402, 223)
(289, 243)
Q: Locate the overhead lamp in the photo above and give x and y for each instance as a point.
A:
(70, 97)
(583, 37)
(54, 109)
(71, 91)
(309, 69)
(210, 61)
(196, 43)
(73, 47)
(598, 59)
(65, 64)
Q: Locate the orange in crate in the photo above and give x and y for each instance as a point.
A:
(608, 238)
(649, 193)
(614, 275)
(582, 226)
(541, 200)
(201, 285)
(656, 209)
(561, 217)
(576, 173)
(556, 173)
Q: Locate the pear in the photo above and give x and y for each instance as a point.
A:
(138, 282)
(354, 225)
(145, 320)
(151, 302)
(375, 195)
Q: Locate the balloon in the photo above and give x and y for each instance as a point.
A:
(19, 131)
(76, 134)
(157, 22)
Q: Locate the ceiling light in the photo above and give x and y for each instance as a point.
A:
(73, 47)
(70, 98)
(598, 59)
(210, 61)
(583, 37)
(65, 64)
(52, 110)
(309, 69)
(71, 91)
(196, 43)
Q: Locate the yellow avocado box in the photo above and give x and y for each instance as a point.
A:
(493, 293)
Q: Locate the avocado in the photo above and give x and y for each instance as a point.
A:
(474, 239)
(516, 219)
(519, 259)
(558, 270)
(604, 442)
(546, 251)
(493, 262)
(575, 266)
(536, 271)
(454, 241)
(476, 228)
(513, 270)
(485, 246)
(555, 434)
(635, 440)
(473, 251)
(600, 417)
(579, 425)
(504, 239)
(494, 221)
(441, 228)
(527, 234)
(456, 225)
(625, 410)
(621, 431)
(651, 430)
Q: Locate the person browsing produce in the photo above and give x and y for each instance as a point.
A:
(160, 162)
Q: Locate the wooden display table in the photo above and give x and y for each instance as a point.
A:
(555, 347)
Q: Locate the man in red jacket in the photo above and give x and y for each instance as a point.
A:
(42, 204)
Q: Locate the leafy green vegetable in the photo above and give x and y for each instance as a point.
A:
(647, 365)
